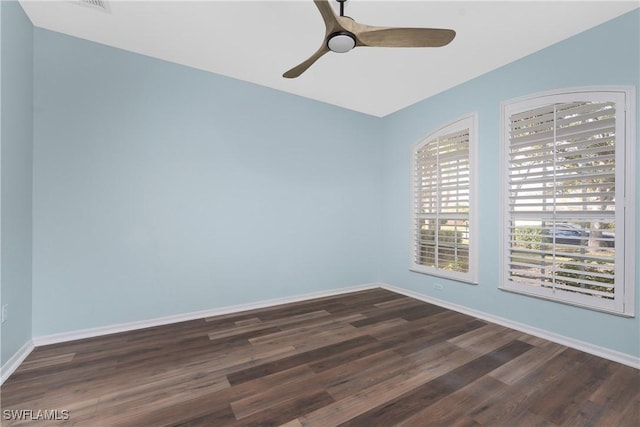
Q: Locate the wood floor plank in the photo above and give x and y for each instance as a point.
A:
(298, 359)
(629, 417)
(218, 417)
(585, 416)
(293, 423)
(47, 362)
(301, 334)
(406, 405)
(503, 407)
(455, 406)
(523, 365)
(280, 413)
(369, 358)
(234, 330)
(604, 407)
(387, 313)
(345, 380)
(262, 400)
(564, 399)
(623, 380)
(437, 335)
(434, 362)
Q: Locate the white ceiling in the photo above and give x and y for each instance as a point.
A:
(257, 41)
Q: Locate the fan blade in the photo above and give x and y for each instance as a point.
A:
(302, 67)
(328, 15)
(404, 37)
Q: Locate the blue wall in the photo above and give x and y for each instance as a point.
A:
(160, 190)
(605, 55)
(16, 141)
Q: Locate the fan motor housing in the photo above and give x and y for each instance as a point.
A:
(341, 41)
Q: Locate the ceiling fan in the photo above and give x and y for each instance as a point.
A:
(343, 34)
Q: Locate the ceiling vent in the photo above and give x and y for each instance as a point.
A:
(95, 4)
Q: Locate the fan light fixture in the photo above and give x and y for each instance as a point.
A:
(341, 42)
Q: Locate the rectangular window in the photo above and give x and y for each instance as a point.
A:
(565, 235)
(443, 225)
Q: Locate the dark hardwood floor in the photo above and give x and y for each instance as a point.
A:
(371, 358)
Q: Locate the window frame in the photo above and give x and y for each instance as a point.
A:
(470, 122)
(623, 303)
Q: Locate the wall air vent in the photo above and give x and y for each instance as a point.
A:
(95, 4)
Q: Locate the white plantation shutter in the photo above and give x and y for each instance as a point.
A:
(442, 203)
(564, 217)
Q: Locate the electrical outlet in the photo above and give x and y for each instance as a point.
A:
(439, 287)
(5, 312)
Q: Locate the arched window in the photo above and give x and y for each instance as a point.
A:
(567, 201)
(443, 205)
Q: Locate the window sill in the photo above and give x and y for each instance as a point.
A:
(566, 302)
(443, 275)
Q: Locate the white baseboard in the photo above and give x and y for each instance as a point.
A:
(12, 364)
(130, 326)
(607, 353)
